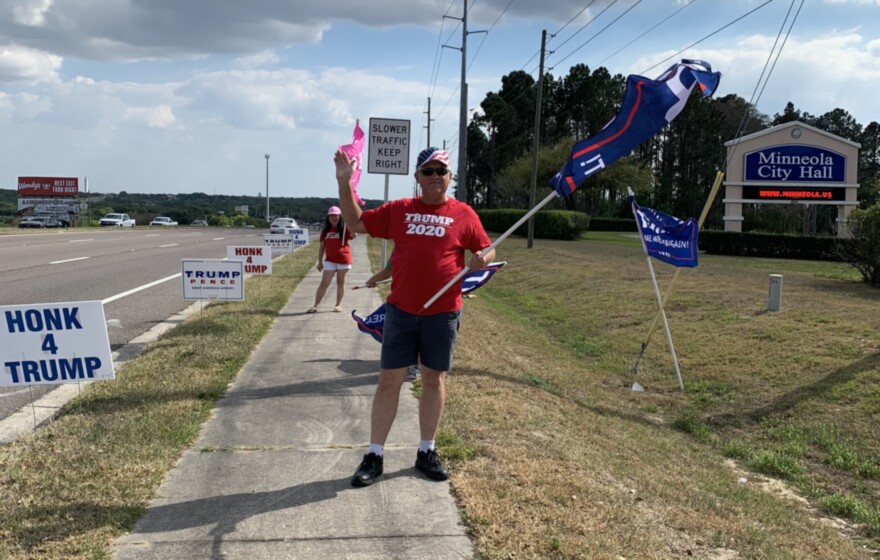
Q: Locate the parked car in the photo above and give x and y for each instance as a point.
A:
(39, 222)
(199, 223)
(118, 220)
(163, 221)
(281, 225)
(62, 217)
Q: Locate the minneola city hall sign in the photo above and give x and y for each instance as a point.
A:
(793, 163)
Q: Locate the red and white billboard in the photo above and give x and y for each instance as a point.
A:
(48, 186)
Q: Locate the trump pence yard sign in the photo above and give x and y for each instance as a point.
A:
(54, 343)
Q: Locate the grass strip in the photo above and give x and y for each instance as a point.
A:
(68, 489)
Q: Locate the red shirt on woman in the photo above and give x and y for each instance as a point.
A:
(334, 250)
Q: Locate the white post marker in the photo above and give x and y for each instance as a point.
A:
(257, 259)
(53, 343)
(212, 279)
(775, 300)
(388, 152)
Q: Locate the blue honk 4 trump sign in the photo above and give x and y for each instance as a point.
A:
(54, 343)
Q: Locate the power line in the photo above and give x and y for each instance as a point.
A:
(584, 26)
(719, 30)
(480, 46)
(655, 26)
(615, 20)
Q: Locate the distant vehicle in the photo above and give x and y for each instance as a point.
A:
(163, 221)
(118, 220)
(281, 225)
(39, 222)
(199, 223)
(61, 217)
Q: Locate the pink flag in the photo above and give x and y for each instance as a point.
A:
(355, 151)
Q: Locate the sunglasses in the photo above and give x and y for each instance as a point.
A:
(428, 171)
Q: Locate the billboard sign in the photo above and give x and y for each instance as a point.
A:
(48, 186)
(28, 206)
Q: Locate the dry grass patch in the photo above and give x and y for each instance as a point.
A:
(567, 462)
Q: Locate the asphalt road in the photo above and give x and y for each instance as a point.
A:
(115, 266)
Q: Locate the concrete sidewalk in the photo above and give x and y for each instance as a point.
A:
(269, 476)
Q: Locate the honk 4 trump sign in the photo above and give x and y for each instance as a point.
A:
(54, 343)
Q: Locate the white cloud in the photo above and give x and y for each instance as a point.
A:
(24, 64)
(160, 116)
(257, 60)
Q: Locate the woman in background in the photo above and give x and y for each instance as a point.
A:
(334, 244)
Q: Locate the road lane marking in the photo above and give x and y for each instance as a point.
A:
(152, 235)
(79, 240)
(169, 245)
(139, 288)
(70, 260)
(218, 239)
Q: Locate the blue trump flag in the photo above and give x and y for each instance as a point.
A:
(374, 323)
(648, 106)
(665, 237)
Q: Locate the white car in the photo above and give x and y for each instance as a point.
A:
(163, 221)
(118, 220)
(281, 225)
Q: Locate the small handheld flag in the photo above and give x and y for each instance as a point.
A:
(665, 237)
(355, 151)
(374, 323)
(648, 106)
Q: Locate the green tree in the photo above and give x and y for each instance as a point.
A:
(864, 251)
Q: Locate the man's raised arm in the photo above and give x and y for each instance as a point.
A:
(351, 212)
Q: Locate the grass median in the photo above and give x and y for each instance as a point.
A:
(68, 489)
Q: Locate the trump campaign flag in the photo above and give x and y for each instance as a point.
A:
(665, 237)
(648, 106)
(355, 151)
(374, 323)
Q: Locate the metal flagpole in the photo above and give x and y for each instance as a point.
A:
(661, 313)
(497, 242)
(719, 177)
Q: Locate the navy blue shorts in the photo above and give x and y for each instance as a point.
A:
(409, 339)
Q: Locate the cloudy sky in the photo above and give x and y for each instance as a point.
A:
(167, 96)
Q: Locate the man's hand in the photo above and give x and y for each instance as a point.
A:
(320, 266)
(344, 167)
(370, 283)
(477, 261)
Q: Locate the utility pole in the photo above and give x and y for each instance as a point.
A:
(428, 126)
(267, 187)
(534, 181)
(461, 183)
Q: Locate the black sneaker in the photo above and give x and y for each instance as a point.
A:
(430, 464)
(369, 470)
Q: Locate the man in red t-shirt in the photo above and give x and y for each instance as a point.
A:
(430, 234)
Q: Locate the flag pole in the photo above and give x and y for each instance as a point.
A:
(719, 177)
(662, 312)
(497, 242)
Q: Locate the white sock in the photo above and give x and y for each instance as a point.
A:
(426, 445)
(375, 448)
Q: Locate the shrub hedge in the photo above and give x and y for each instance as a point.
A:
(550, 224)
(772, 245)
